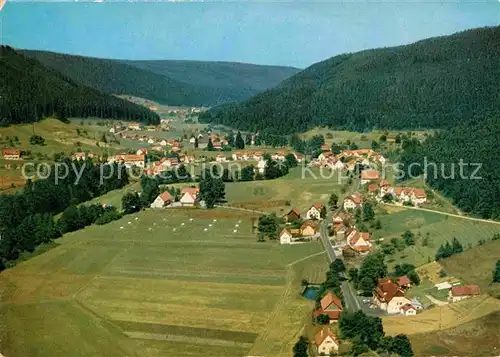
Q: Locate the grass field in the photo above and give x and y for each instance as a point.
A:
(273, 195)
(483, 258)
(479, 335)
(158, 287)
(441, 228)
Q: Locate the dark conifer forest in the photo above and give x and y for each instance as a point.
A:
(434, 83)
(29, 92)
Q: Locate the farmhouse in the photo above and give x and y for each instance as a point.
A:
(285, 236)
(142, 152)
(293, 215)
(298, 157)
(220, 158)
(134, 126)
(416, 196)
(353, 201)
(128, 160)
(314, 212)
(369, 176)
(11, 154)
(358, 241)
(325, 156)
(404, 282)
(408, 310)
(325, 147)
(189, 196)
(462, 292)
(258, 155)
(308, 229)
(163, 199)
(326, 342)
(341, 218)
(389, 297)
(238, 155)
(330, 305)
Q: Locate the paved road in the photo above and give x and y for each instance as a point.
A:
(351, 302)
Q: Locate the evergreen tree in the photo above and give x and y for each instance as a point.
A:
(401, 346)
(212, 188)
(268, 226)
(333, 201)
(196, 143)
(300, 348)
(322, 212)
(210, 145)
(368, 213)
(290, 160)
(409, 238)
(239, 143)
(496, 272)
(247, 173)
(131, 202)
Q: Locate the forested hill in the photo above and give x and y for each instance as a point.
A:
(168, 82)
(474, 192)
(29, 91)
(434, 83)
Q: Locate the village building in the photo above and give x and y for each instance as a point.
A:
(134, 126)
(163, 199)
(461, 292)
(221, 158)
(187, 159)
(416, 196)
(293, 215)
(308, 229)
(237, 156)
(325, 147)
(298, 157)
(128, 160)
(408, 310)
(285, 236)
(258, 155)
(326, 342)
(369, 176)
(163, 142)
(389, 297)
(358, 241)
(261, 167)
(324, 156)
(11, 154)
(330, 305)
(404, 282)
(142, 152)
(314, 212)
(189, 196)
(353, 201)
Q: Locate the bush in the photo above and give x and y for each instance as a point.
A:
(442, 274)
(108, 216)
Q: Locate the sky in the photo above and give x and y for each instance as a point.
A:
(291, 33)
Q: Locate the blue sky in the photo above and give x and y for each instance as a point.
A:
(283, 33)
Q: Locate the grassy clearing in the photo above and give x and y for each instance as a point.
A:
(440, 228)
(483, 259)
(293, 190)
(479, 335)
(160, 288)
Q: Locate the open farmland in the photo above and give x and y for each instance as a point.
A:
(439, 228)
(160, 286)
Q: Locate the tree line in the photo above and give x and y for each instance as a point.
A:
(31, 92)
(27, 217)
(462, 164)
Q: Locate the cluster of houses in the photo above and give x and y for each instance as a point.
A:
(347, 159)
(355, 241)
(325, 341)
(189, 197)
(308, 229)
(401, 195)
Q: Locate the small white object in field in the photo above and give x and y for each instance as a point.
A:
(210, 225)
(136, 218)
(237, 225)
(206, 229)
(154, 223)
(190, 219)
(150, 229)
(235, 231)
(215, 220)
(129, 222)
(174, 229)
(164, 219)
(183, 223)
(122, 227)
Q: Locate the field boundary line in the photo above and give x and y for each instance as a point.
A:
(305, 258)
(444, 213)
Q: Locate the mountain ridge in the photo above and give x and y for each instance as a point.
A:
(431, 83)
(171, 82)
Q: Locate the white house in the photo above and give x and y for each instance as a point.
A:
(189, 195)
(326, 342)
(408, 310)
(358, 241)
(314, 212)
(261, 166)
(151, 141)
(162, 200)
(353, 201)
(389, 297)
(134, 126)
(192, 140)
(163, 143)
(220, 158)
(285, 236)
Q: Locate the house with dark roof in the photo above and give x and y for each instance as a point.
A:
(293, 215)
